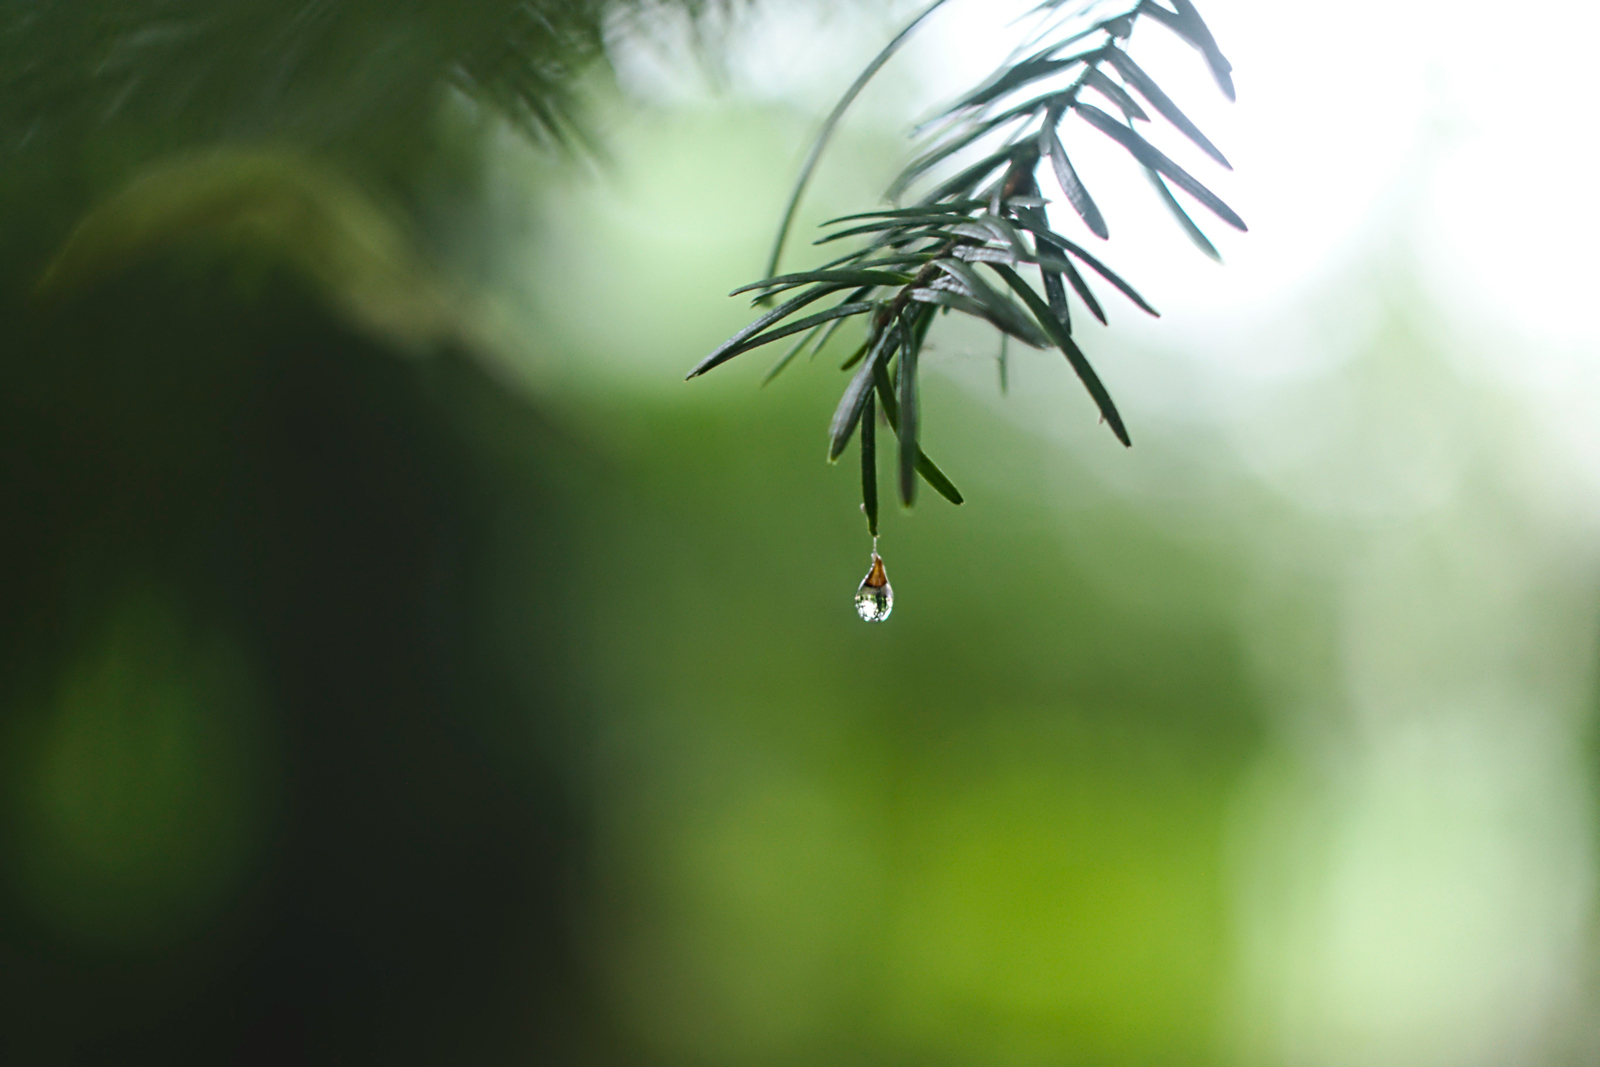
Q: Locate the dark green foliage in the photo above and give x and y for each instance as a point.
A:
(215, 215)
(92, 92)
(310, 70)
(323, 507)
(931, 256)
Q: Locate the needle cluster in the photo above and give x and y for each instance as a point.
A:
(967, 242)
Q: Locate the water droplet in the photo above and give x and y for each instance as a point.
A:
(875, 598)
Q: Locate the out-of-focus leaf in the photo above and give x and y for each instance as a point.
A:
(1150, 156)
(1030, 107)
(947, 147)
(1186, 23)
(1097, 79)
(1014, 77)
(1084, 19)
(1136, 77)
(1069, 348)
(1192, 231)
(1085, 294)
(1077, 195)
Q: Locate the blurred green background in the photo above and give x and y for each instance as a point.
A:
(401, 664)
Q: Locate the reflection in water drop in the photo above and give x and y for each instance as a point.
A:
(875, 598)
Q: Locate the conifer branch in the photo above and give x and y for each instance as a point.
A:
(960, 245)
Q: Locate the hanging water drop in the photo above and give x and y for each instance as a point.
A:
(875, 597)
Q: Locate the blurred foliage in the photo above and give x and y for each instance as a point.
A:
(263, 810)
(145, 793)
(276, 208)
(272, 794)
(990, 832)
(362, 701)
(349, 76)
